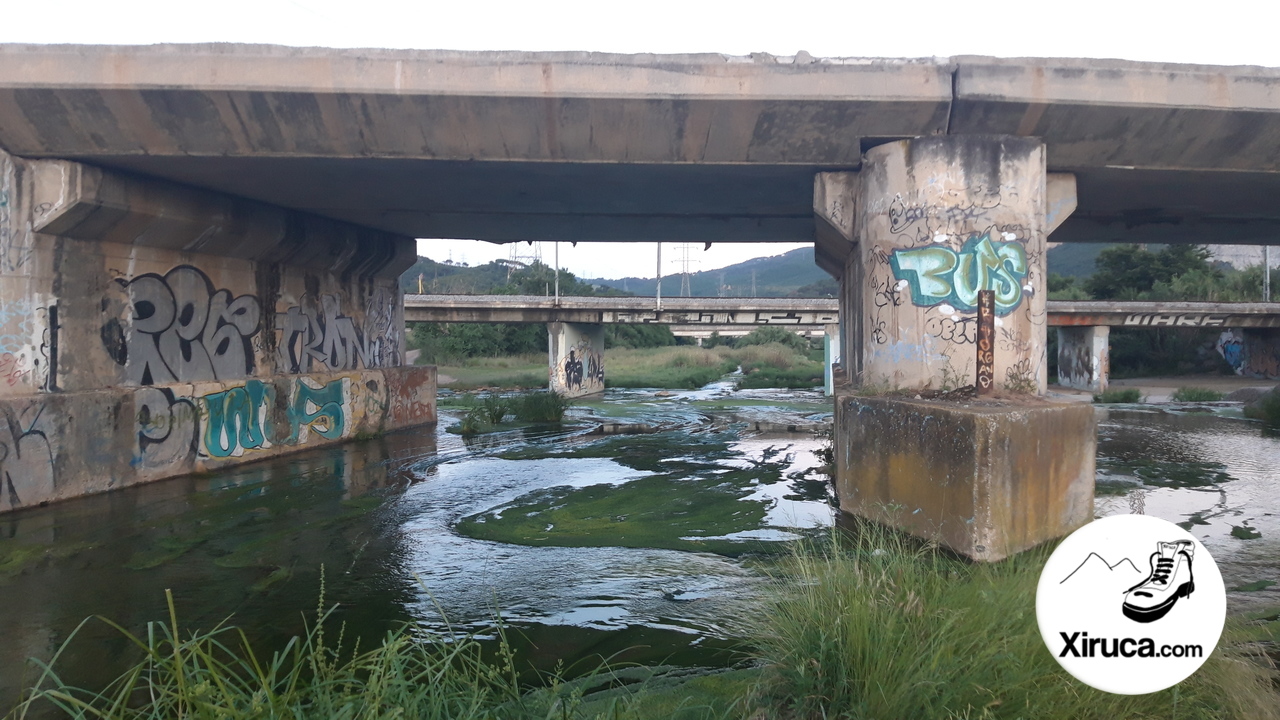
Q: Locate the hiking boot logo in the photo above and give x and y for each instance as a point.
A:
(1171, 578)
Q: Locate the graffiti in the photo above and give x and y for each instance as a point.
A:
(1252, 353)
(26, 461)
(1175, 320)
(793, 317)
(1076, 366)
(16, 248)
(182, 329)
(938, 274)
(236, 419)
(960, 330)
(1231, 347)
(317, 409)
(166, 428)
(239, 419)
(580, 371)
(322, 338)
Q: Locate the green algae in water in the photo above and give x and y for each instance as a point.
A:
(1161, 473)
(16, 557)
(1254, 586)
(654, 512)
(1244, 532)
(1195, 519)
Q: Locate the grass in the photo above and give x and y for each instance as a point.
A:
(880, 627)
(516, 371)
(1195, 394)
(219, 674)
(487, 413)
(1267, 409)
(683, 366)
(1119, 395)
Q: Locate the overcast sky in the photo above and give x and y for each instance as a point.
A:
(1227, 32)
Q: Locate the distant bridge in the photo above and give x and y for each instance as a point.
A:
(726, 315)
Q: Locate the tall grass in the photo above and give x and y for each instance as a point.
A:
(877, 626)
(1118, 395)
(1195, 394)
(219, 674)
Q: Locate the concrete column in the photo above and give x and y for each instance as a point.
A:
(831, 357)
(1252, 352)
(149, 330)
(939, 219)
(1084, 357)
(575, 355)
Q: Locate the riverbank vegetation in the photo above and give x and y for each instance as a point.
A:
(875, 625)
(1118, 395)
(866, 625)
(765, 362)
(1195, 394)
(490, 412)
(1154, 273)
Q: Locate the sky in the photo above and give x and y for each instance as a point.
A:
(1227, 32)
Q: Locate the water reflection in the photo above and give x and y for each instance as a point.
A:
(1210, 472)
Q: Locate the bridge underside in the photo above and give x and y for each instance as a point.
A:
(510, 147)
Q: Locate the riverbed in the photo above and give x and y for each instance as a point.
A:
(644, 546)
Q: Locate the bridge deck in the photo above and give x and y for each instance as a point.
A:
(800, 311)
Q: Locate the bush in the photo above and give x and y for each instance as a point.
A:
(767, 334)
(495, 407)
(541, 407)
(1195, 394)
(1119, 395)
(882, 626)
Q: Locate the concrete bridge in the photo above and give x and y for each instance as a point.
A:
(1250, 339)
(199, 245)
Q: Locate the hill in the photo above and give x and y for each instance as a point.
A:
(791, 274)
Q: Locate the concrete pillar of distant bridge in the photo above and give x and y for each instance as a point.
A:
(1251, 352)
(1084, 357)
(913, 237)
(575, 355)
(149, 330)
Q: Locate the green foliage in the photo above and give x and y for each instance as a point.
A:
(715, 341)
(495, 407)
(637, 335)
(449, 342)
(410, 674)
(766, 334)
(1195, 394)
(881, 626)
(827, 287)
(540, 279)
(540, 407)
(1064, 287)
(1119, 395)
(1266, 409)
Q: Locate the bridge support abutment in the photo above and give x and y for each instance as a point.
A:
(575, 356)
(152, 331)
(1251, 352)
(1084, 357)
(925, 225)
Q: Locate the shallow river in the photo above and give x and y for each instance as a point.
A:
(641, 544)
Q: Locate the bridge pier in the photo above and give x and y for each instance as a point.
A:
(1252, 352)
(913, 237)
(575, 355)
(150, 330)
(1084, 357)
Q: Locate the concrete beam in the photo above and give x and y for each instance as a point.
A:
(834, 210)
(787, 312)
(1163, 314)
(88, 203)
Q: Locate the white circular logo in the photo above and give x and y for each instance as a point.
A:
(1131, 604)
